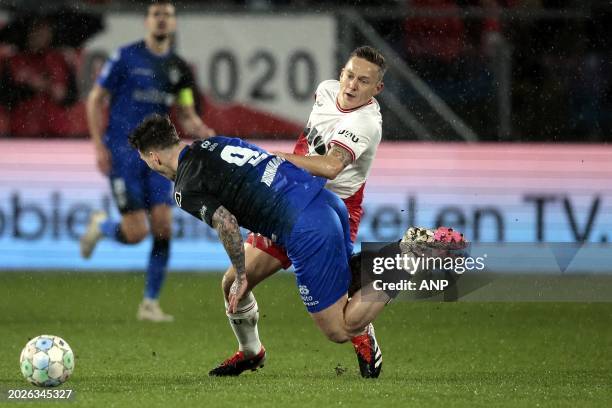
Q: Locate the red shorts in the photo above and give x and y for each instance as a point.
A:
(277, 251)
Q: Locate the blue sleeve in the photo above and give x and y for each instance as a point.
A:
(111, 73)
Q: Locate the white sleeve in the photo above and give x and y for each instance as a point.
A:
(356, 133)
(322, 88)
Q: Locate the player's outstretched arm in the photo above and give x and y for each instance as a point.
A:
(229, 233)
(328, 166)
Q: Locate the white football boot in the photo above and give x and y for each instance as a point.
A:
(92, 234)
(150, 310)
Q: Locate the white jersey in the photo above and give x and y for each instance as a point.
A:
(357, 130)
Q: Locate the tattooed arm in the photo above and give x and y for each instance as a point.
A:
(229, 233)
(328, 166)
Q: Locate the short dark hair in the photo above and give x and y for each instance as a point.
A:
(372, 55)
(156, 132)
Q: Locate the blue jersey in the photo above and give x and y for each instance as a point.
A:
(264, 192)
(140, 83)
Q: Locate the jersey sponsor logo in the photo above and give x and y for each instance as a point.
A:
(315, 140)
(143, 71)
(349, 135)
(270, 172)
(305, 295)
(178, 197)
(318, 102)
(152, 95)
(207, 145)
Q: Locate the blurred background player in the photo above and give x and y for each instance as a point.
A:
(141, 78)
(339, 143)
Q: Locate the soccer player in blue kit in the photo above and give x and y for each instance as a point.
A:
(229, 183)
(140, 79)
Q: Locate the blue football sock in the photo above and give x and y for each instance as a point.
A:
(156, 270)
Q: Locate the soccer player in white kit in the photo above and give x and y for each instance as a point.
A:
(339, 143)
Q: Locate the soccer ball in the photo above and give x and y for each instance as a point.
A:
(47, 361)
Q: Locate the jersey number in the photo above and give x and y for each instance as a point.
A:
(241, 155)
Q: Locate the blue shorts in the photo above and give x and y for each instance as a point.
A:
(135, 186)
(319, 247)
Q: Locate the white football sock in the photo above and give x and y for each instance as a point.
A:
(244, 325)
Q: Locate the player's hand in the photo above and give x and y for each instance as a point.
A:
(282, 155)
(237, 291)
(103, 159)
(210, 132)
(205, 132)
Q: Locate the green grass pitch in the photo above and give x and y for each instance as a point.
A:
(435, 354)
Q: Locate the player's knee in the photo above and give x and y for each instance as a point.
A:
(135, 235)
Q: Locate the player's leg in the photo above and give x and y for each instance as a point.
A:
(158, 200)
(351, 320)
(335, 323)
(129, 195)
(155, 276)
(259, 264)
(319, 251)
(323, 282)
(262, 259)
(161, 232)
(367, 350)
(319, 248)
(441, 242)
(366, 303)
(130, 229)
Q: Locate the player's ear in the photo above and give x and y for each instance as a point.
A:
(145, 21)
(341, 73)
(156, 158)
(379, 87)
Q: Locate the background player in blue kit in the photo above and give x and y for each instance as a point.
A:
(140, 79)
(229, 184)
